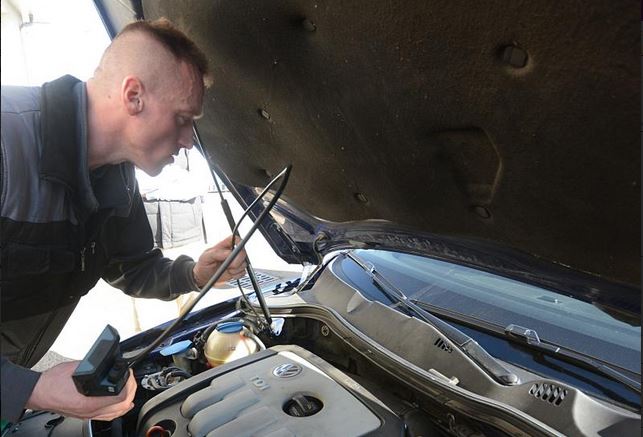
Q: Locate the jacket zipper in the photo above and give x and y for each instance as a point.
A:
(92, 247)
(29, 350)
(82, 259)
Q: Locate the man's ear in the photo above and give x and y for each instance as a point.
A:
(132, 93)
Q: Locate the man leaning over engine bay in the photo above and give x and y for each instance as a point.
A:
(70, 208)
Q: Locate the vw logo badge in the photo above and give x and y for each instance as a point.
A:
(287, 370)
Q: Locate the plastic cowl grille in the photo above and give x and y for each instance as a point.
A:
(442, 344)
(548, 392)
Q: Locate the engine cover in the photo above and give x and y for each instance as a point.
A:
(282, 391)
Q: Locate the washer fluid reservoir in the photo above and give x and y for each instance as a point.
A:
(228, 343)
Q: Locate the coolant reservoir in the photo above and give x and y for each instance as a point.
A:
(228, 343)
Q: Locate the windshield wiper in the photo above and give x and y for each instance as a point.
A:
(465, 343)
(530, 338)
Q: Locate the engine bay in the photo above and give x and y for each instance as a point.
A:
(331, 363)
(281, 391)
(304, 381)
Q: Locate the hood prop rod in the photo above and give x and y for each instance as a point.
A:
(234, 227)
(284, 175)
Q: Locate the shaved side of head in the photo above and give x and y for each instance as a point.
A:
(136, 54)
(151, 51)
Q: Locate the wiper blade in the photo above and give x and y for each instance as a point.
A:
(466, 344)
(530, 337)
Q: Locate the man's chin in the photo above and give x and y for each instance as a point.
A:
(155, 171)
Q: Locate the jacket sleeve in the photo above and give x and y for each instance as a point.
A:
(17, 385)
(139, 269)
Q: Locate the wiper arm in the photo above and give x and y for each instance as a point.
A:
(530, 337)
(466, 344)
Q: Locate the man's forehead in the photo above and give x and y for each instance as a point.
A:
(191, 90)
(194, 105)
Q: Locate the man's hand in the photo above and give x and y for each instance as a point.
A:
(55, 391)
(211, 259)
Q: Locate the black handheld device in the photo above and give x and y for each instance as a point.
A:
(103, 371)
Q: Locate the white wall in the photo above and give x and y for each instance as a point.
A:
(14, 69)
(62, 37)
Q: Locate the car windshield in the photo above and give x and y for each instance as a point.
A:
(558, 319)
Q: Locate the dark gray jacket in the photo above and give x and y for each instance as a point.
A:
(62, 228)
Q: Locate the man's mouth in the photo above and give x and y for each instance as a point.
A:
(171, 158)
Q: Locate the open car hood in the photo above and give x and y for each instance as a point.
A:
(509, 124)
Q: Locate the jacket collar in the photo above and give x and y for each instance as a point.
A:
(59, 129)
(64, 154)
